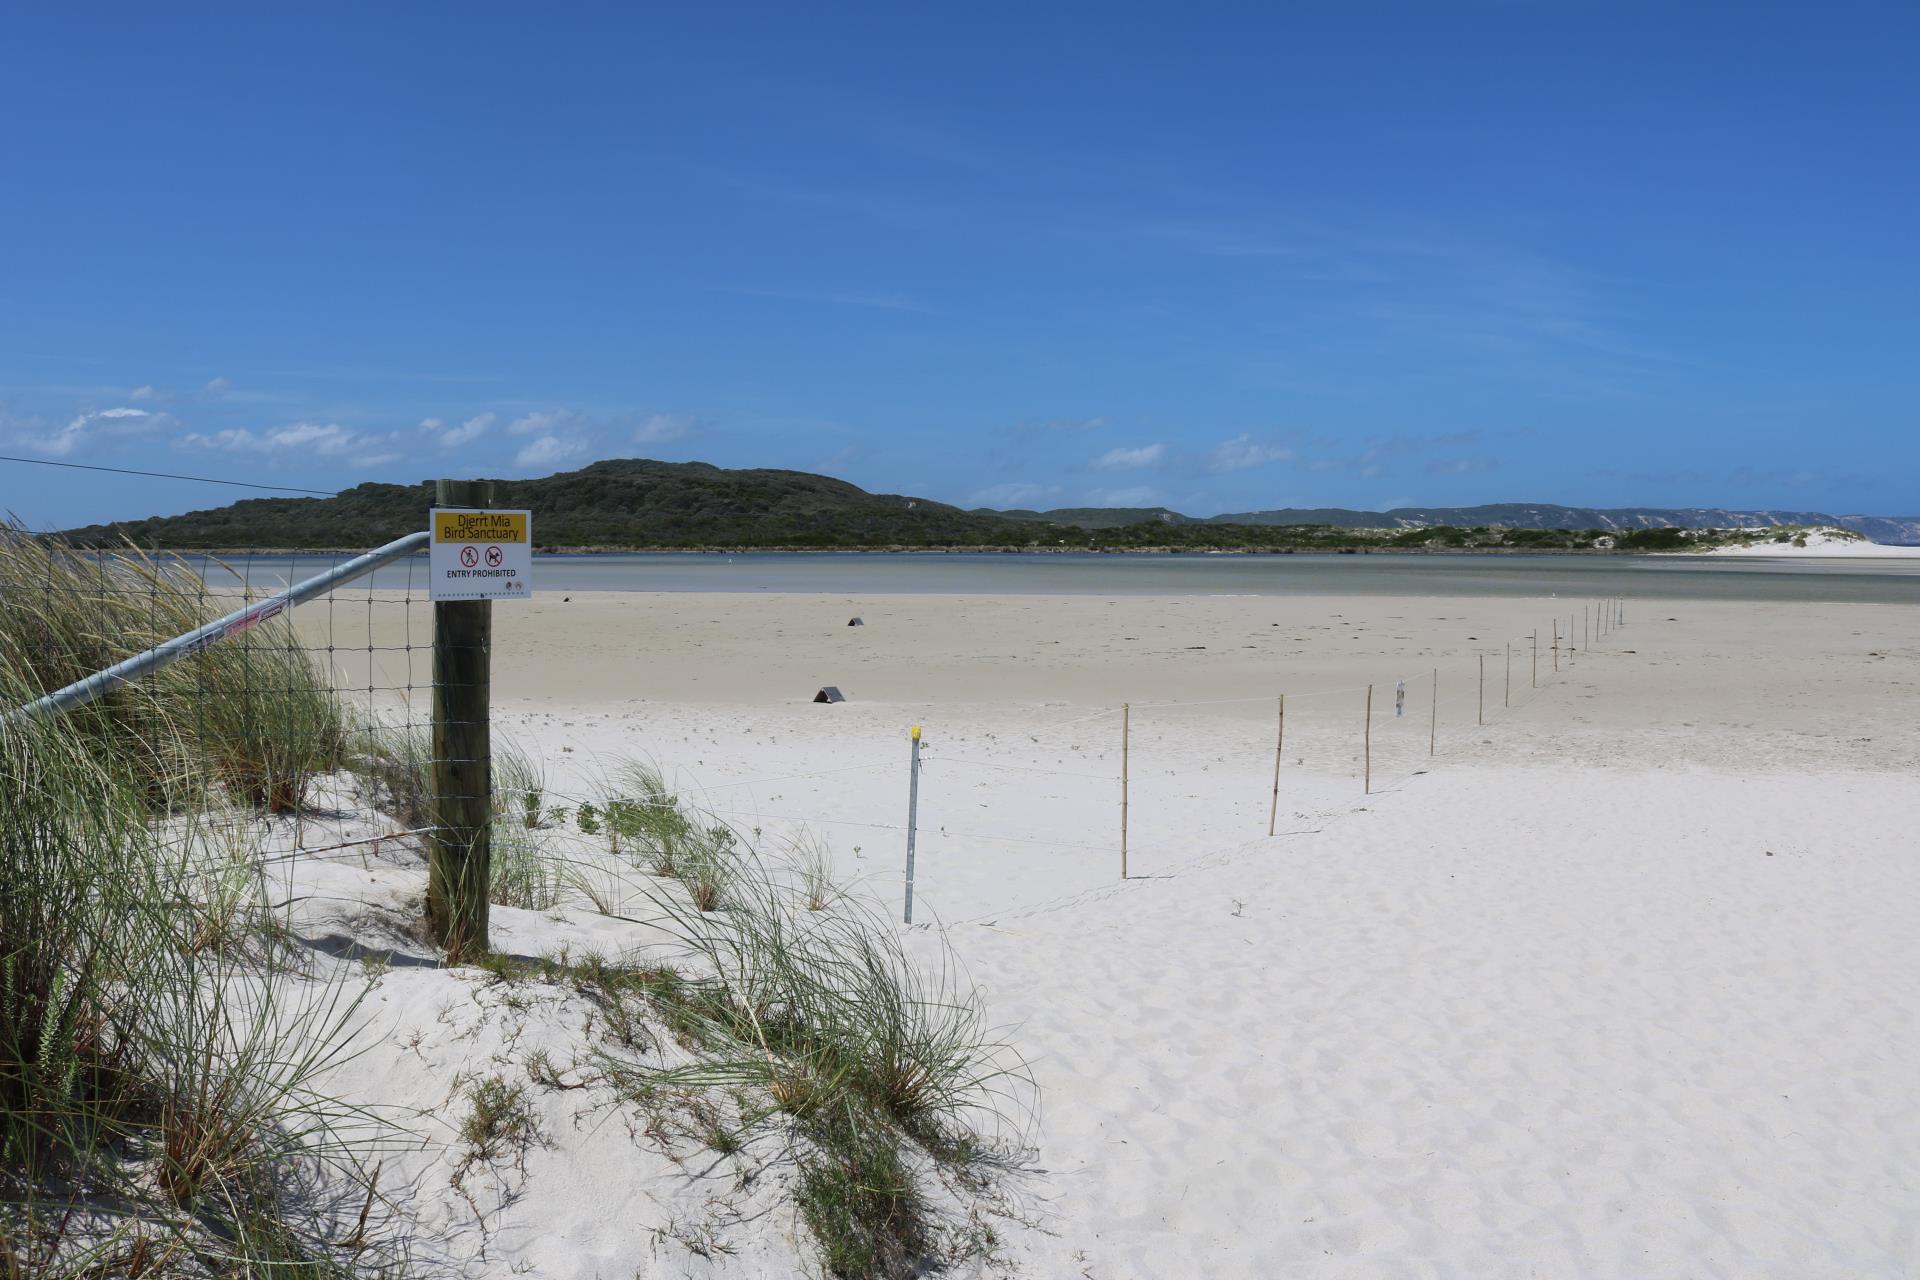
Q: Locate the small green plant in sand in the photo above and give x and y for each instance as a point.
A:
(499, 1121)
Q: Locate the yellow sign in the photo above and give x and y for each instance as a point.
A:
(480, 555)
(479, 526)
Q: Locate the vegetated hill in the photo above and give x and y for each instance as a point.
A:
(633, 502)
(1894, 530)
(621, 502)
(1102, 517)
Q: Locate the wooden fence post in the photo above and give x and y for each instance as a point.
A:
(460, 856)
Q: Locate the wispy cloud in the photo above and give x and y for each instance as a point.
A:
(659, 428)
(466, 433)
(549, 450)
(91, 429)
(1130, 459)
(320, 439)
(545, 422)
(1243, 453)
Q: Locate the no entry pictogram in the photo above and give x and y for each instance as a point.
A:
(481, 554)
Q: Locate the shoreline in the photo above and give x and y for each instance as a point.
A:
(1886, 551)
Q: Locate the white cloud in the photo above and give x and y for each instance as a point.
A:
(1012, 494)
(548, 450)
(142, 393)
(544, 422)
(90, 428)
(329, 440)
(1131, 459)
(658, 428)
(1241, 453)
(1137, 496)
(217, 386)
(467, 432)
(232, 438)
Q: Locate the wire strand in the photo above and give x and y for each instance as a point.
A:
(167, 475)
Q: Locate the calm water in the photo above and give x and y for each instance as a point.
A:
(1579, 577)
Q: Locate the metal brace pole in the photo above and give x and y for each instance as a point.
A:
(246, 618)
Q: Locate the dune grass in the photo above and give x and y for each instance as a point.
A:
(522, 873)
(157, 1067)
(252, 715)
(876, 1072)
(160, 1046)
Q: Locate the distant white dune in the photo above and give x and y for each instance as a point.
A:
(1820, 544)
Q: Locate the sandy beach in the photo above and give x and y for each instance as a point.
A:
(1617, 983)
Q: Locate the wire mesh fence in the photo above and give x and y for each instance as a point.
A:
(313, 729)
(265, 717)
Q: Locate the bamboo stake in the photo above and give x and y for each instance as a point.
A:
(1556, 644)
(1279, 742)
(1126, 715)
(1533, 681)
(1433, 714)
(1480, 709)
(1366, 784)
(913, 819)
(1506, 691)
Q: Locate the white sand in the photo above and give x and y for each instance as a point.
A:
(1617, 985)
(1821, 544)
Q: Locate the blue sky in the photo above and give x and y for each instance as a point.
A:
(1217, 258)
